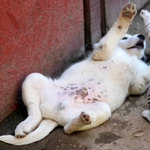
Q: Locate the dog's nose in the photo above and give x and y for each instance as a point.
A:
(141, 36)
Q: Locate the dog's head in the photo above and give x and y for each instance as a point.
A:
(133, 44)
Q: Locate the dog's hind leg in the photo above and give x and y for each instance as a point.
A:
(89, 117)
(31, 122)
(31, 96)
(105, 47)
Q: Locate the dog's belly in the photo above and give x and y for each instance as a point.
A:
(74, 95)
(86, 92)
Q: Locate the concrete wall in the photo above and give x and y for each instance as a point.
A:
(113, 8)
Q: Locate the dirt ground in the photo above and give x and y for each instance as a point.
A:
(126, 129)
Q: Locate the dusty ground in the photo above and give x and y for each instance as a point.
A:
(126, 129)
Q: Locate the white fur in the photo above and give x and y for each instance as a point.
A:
(146, 18)
(88, 92)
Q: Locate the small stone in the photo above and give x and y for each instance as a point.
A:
(138, 133)
(127, 104)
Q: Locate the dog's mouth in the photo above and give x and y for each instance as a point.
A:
(138, 45)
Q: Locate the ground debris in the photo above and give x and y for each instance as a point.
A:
(138, 133)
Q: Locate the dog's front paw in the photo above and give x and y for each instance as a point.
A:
(87, 117)
(146, 115)
(146, 17)
(129, 11)
(145, 14)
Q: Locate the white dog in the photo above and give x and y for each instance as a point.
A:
(89, 91)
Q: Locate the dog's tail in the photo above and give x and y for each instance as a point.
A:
(45, 127)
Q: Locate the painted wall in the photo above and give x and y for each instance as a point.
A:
(36, 36)
(44, 36)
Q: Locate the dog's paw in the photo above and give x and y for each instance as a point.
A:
(129, 11)
(146, 115)
(87, 117)
(22, 130)
(145, 14)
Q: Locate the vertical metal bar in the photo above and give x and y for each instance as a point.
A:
(103, 18)
(87, 25)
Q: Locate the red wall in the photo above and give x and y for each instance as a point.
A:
(36, 36)
(44, 36)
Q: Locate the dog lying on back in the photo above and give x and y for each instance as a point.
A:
(89, 91)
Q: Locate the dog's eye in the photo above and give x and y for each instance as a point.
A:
(124, 38)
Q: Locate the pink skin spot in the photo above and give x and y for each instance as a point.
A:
(91, 80)
(72, 84)
(72, 88)
(104, 67)
(99, 96)
(71, 94)
(76, 97)
(82, 92)
(94, 99)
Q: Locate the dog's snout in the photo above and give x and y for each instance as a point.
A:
(141, 36)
